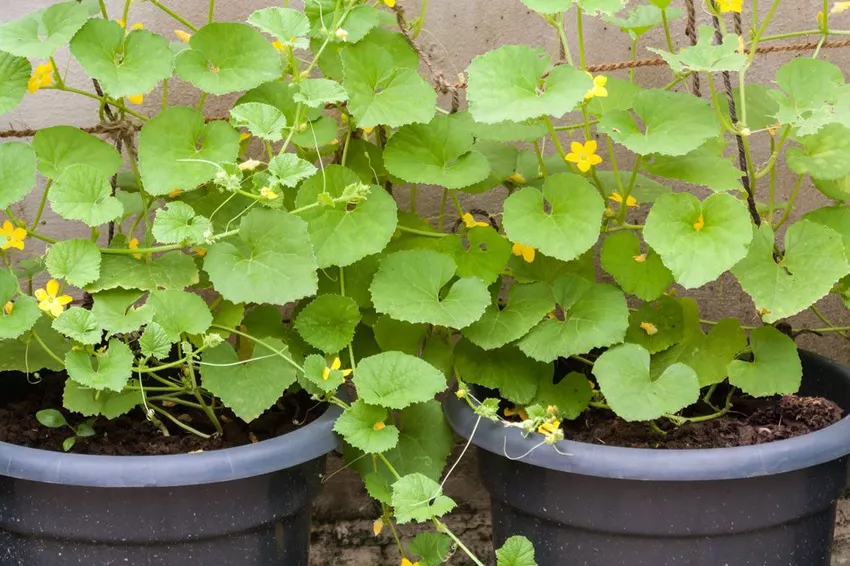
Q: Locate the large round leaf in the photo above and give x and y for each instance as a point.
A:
(38, 34)
(289, 26)
(228, 57)
(17, 172)
(409, 286)
(60, 147)
(168, 143)
(673, 123)
(696, 240)
(813, 262)
(342, 235)
(506, 369)
(83, 193)
(77, 261)
(111, 369)
(363, 427)
(328, 322)
(823, 155)
(776, 368)
(125, 64)
(25, 313)
(437, 153)
(562, 221)
(500, 325)
(624, 379)
(395, 380)
(14, 76)
(517, 82)
(271, 263)
(641, 274)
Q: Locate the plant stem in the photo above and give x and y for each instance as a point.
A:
(716, 103)
(212, 12)
(389, 466)
(173, 14)
(558, 24)
(790, 205)
(126, 11)
(41, 204)
(540, 163)
(442, 216)
(441, 527)
(634, 58)
(422, 232)
(178, 422)
(554, 135)
(261, 343)
(627, 193)
(175, 400)
(103, 9)
(201, 101)
(582, 359)
(573, 127)
(47, 350)
(580, 31)
(458, 208)
(666, 24)
(825, 31)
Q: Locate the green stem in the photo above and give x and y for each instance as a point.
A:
(344, 157)
(441, 527)
(821, 316)
(442, 216)
(47, 350)
(667, 31)
(716, 103)
(832, 329)
(173, 14)
(164, 94)
(421, 232)
(456, 202)
(540, 163)
(634, 58)
(41, 204)
(790, 205)
(558, 24)
(825, 31)
(178, 422)
(103, 9)
(621, 218)
(389, 466)
(126, 11)
(774, 154)
(175, 400)
(212, 12)
(573, 127)
(554, 135)
(609, 144)
(201, 101)
(286, 358)
(580, 31)
(582, 359)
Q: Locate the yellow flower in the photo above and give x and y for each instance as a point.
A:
(649, 328)
(549, 428)
(527, 252)
(730, 5)
(133, 244)
(14, 236)
(200, 252)
(182, 35)
(470, 221)
(136, 99)
(49, 299)
(630, 201)
(175, 193)
(8, 307)
(41, 77)
(268, 194)
(552, 410)
(516, 178)
(584, 155)
(840, 7)
(378, 526)
(516, 412)
(335, 365)
(249, 165)
(640, 258)
(377, 427)
(460, 393)
(598, 88)
(342, 34)
(244, 136)
(367, 131)
(700, 223)
(123, 24)
(405, 561)
(278, 45)
(390, 3)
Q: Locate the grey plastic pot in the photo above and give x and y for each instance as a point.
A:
(245, 506)
(766, 505)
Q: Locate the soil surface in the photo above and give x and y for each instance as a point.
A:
(751, 421)
(133, 435)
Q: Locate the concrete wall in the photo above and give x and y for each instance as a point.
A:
(456, 31)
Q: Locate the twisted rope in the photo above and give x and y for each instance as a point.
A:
(691, 32)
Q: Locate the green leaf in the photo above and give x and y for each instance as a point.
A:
(315, 93)
(358, 277)
(287, 170)
(396, 380)
(673, 123)
(173, 270)
(432, 548)
(637, 273)
(381, 93)
(14, 77)
(606, 7)
(271, 263)
(314, 373)
(179, 312)
(83, 193)
(154, 342)
(51, 418)
(526, 306)
(171, 139)
(517, 551)
(409, 286)
(811, 87)
(837, 190)
(624, 378)
(395, 335)
(437, 153)
(289, 26)
(813, 262)
(360, 20)
(571, 395)
(416, 497)
(116, 311)
(823, 155)
(621, 95)
(61, 147)
(228, 57)
(595, 316)
(776, 368)
(27, 355)
(704, 166)
(707, 355)
(363, 426)
(124, 63)
(641, 19)
(486, 257)
(656, 326)
(178, 223)
(8, 285)
(705, 56)
(696, 240)
(341, 236)
(113, 367)
(645, 190)
(25, 313)
(328, 322)
(77, 261)
(515, 375)
(263, 120)
(40, 33)
(80, 325)
(548, 6)
(562, 221)
(17, 172)
(91, 403)
(250, 387)
(528, 130)
(517, 82)
(835, 217)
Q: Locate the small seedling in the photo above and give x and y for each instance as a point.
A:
(51, 418)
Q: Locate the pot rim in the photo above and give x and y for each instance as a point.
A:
(304, 444)
(646, 464)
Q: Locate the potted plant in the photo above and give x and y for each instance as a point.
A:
(616, 424)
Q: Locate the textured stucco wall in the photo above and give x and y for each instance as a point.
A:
(456, 31)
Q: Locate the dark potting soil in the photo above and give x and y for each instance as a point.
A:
(751, 421)
(133, 435)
